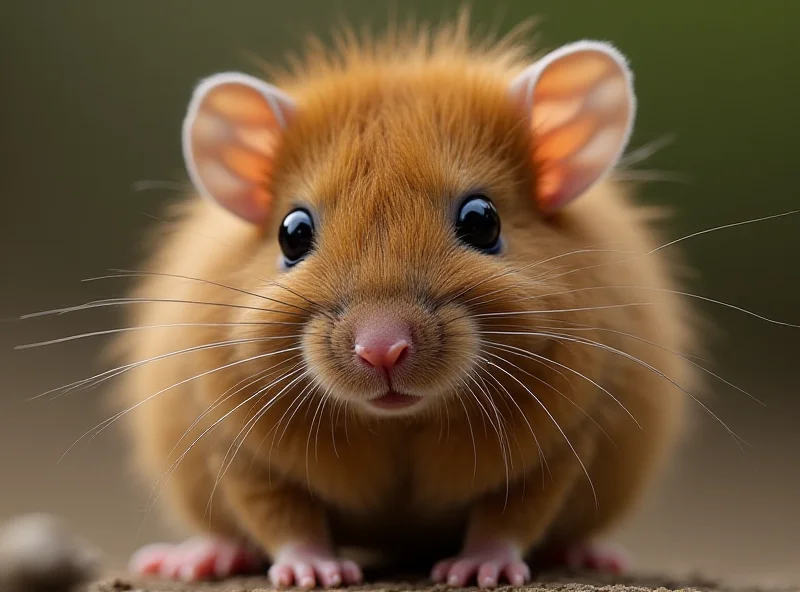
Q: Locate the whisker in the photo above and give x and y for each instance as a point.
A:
(123, 301)
(502, 438)
(223, 466)
(723, 227)
(669, 291)
(548, 385)
(311, 387)
(650, 175)
(497, 431)
(249, 425)
(687, 358)
(337, 407)
(556, 310)
(589, 249)
(523, 268)
(472, 438)
(308, 396)
(302, 297)
(308, 440)
(645, 151)
(653, 369)
(174, 466)
(226, 396)
(679, 240)
(504, 390)
(126, 273)
(114, 372)
(485, 390)
(531, 355)
(142, 327)
(319, 425)
(106, 423)
(546, 410)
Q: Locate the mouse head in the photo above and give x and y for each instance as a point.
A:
(406, 208)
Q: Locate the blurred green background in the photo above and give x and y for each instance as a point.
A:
(92, 96)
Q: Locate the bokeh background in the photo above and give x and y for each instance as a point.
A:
(92, 96)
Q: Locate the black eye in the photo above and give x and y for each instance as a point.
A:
(478, 224)
(296, 235)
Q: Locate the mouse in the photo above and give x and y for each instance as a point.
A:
(407, 307)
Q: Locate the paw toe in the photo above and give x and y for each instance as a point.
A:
(488, 574)
(517, 573)
(461, 572)
(351, 572)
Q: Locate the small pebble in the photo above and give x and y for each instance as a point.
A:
(39, 554)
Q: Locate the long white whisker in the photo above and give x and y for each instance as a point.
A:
(143, 327)
(472, 437)
(502, 437)
(543, 311)
(548, 385)
(249, 425)
(506, 272)
(126, 273)
(497, 430)
(722, 227)
(227, 395)
(645, 151)
(307, 392)
(531, 355)
(485, 388)
(321, 410)
(123, 301)
(669, 291)
(108, 422)
(546, 410)
(504, 390)
(114, 372)
(644, 364)
(684, 357)
(174, 467)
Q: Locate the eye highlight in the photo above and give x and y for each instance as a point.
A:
(478, 224)
(296, 236)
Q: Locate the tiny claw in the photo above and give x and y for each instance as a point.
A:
(486, 565)
(307, 566)
(195, 560)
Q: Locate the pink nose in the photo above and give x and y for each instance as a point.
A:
(382, 344)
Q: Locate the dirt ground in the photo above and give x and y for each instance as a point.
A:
(551, 583)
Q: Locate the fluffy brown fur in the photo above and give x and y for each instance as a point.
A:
(533, 364)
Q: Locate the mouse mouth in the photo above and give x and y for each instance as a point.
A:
(394, 400)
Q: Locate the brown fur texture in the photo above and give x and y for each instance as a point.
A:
(533, 364)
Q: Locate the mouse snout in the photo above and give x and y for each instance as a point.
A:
(383, 343)
(390, 351)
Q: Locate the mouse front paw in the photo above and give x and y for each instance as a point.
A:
(307, 566)
(196, 559)
(487, 564)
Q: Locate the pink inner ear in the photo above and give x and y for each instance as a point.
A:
(231, 136)
(567, 174)
(582, 109)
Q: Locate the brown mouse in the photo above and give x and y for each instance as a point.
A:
(409, 309)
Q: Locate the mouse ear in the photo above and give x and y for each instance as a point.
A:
(230, 136)
(580, 105)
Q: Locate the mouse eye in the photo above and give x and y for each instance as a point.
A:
(296, 236)
(478, 224)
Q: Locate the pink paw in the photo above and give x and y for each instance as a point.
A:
(196, 559)
(487, 564)
(604, 558)
(306, 566)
